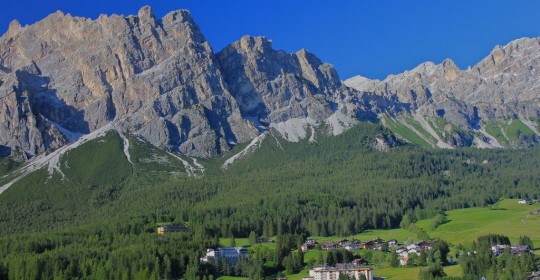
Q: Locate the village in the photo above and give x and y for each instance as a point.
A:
(360, 263)
(358, 268)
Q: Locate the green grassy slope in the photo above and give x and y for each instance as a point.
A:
(507, 217)
(508, 132)
(407, 134)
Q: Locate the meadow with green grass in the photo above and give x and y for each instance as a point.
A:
(505, 217)
(509, 132)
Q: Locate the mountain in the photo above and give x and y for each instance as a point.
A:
(155, 78)
(492, 104)
(64, 77)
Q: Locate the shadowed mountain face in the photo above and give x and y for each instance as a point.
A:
(66, 76)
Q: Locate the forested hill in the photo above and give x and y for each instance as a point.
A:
(334, 185)
(105, 205)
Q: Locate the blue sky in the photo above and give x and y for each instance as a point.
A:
(370, 38)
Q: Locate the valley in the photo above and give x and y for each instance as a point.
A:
(131, 149)
(337, 186)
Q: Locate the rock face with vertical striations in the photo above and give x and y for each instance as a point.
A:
(66, 76)
(154, 77)
(498, 95)
(292, 93)
(159, 79)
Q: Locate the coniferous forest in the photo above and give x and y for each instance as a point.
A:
(99, 221)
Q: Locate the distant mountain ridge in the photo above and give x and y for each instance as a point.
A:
(499, 93)
(66, 76)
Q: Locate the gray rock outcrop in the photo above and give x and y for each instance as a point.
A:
(503, 86)
(154, 77)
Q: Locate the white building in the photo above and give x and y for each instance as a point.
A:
(524, 201)
(231, 254)
(351, 247)
(332, 273)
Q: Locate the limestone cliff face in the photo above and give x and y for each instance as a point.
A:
(503, 86)
(159, 79)
(274, 86)
(154, 77)
(292, 92)
(66, 76)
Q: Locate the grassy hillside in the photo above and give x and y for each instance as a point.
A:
(404, 132)
(506, 217)
(509, 132)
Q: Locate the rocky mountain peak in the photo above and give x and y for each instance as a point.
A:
(155, 78)
(255, 43)
(14, 28)
(450, 70)
(500, 88)
(146, 14)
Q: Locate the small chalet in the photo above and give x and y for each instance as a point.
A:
(424, 245)
(520, 249)
(370, 245)
(351, 247)
(306, 247)
(402, 252)
(164, 229)
(328, 245)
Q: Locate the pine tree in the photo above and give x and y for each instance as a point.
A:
(252, 238)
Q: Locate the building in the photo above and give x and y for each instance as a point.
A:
(514, 249)
(424, 245)
(308, 245)
(171, 228)
(524, 201)
(328, 245)
(231, 254)
(402, 252)
(498, 249)
(332, 273)
(351, 247)
(520, 249)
